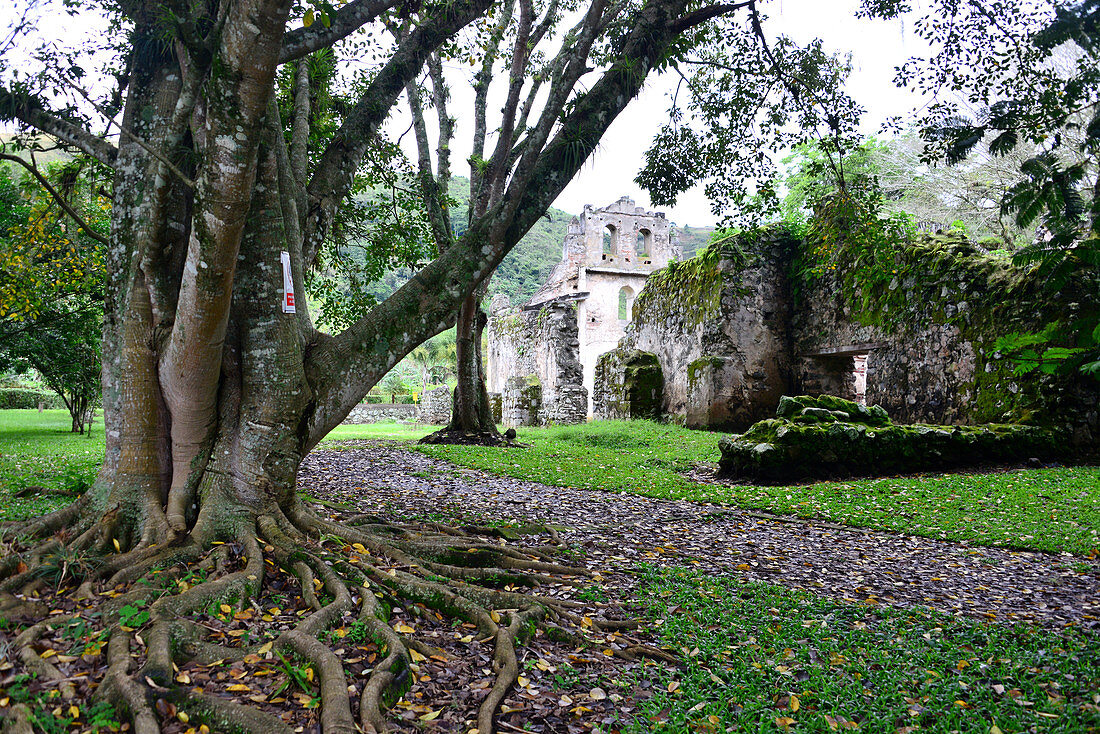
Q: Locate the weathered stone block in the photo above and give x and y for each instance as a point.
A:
(435, 406)
(496, 407)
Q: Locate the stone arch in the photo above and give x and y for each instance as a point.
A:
(626, 302)
(610, 240)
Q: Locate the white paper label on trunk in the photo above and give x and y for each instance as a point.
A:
(288, 284)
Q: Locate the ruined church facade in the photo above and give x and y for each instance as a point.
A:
(555, 339)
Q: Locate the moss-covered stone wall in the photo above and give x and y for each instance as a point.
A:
(735, 330)
(694, 317)
(934, 319)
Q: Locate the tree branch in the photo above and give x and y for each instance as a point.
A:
(345, 21)
(702, 15)
(30, 111)
(335, 172)
(56, 196)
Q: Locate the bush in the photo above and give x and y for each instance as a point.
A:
(26, 398)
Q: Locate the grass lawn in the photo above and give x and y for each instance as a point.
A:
(388, 431)
(761, 658)
(39, 449)
(1040, 509)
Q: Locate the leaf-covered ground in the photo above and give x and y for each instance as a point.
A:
(777, 623)
(884, 633)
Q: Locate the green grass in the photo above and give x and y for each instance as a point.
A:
(760, 658)
(39, 449)
(389, 431)
(1039, 509)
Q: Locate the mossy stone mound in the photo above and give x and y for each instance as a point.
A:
(828, 437)
(830, 409)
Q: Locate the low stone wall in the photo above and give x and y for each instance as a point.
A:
(383, 413)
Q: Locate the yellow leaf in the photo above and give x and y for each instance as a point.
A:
(794, 703)
(308, 20)
(266, 647)
(47, 654)
(118, 548)
(183, 678)
(523, 681)
(74, 712)
(238, 688)
(673, 686)
(404, 628)
(432, 716)
(995, 730)
(784, 722)
(183, 717)
(416, 657)
(226, 609)
(495, 616)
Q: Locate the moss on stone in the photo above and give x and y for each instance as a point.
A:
(805, 444)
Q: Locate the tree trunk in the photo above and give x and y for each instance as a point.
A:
(471, 418)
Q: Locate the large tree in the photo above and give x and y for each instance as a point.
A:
(216, 383)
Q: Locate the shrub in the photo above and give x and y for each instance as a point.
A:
(28, 398)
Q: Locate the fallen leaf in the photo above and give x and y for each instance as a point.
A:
(784, 722)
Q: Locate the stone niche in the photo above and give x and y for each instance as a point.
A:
(629, 385)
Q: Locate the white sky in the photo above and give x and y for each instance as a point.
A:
(877, 47)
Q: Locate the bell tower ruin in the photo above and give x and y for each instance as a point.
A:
(607, 256)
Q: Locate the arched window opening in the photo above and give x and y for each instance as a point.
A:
(626, 302)
(609, 242)
(645, 244)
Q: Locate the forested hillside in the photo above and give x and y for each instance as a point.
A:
(522, 271)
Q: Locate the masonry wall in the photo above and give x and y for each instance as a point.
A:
(718, 325)
(542, 342)
(736, 330)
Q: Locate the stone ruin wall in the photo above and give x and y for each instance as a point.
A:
(729, 346)
(540, 345)
(598, 285)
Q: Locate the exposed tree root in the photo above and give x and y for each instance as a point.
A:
(459, 437)
(344, 572)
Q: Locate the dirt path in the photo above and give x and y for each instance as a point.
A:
(619, 531)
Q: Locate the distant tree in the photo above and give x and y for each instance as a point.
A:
(51, 276)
